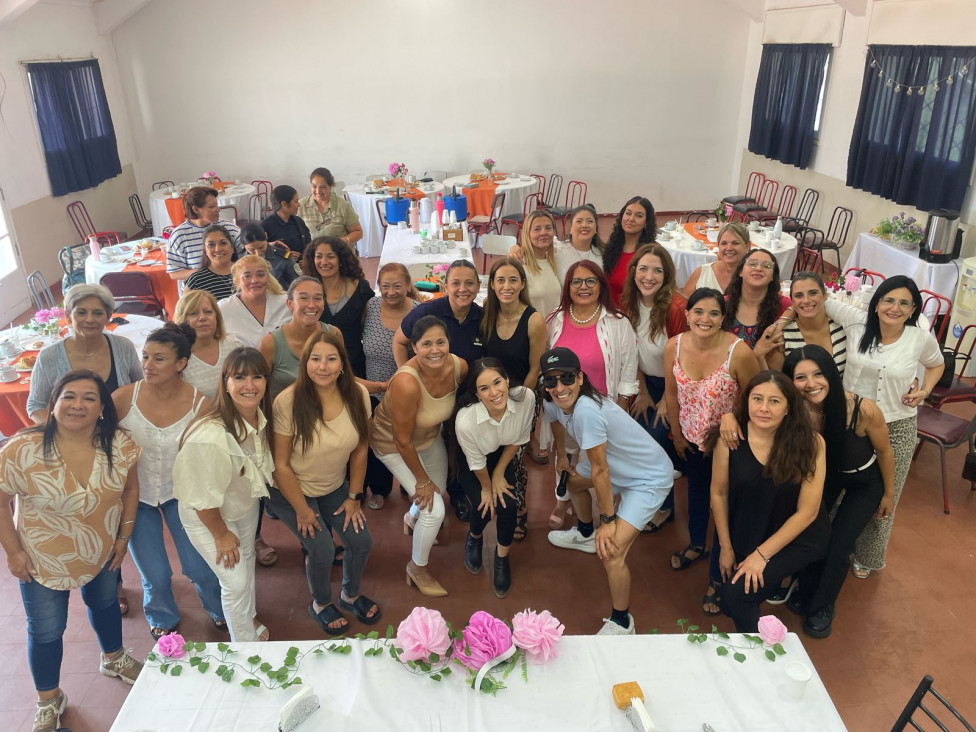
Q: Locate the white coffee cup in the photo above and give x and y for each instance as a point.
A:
(671, 226)
(798, 675)
(450, 244)
(711, 222)
(753, 226)
(416, 249)
(665, 235)
(401, 224)
(699, 244)
(8, 348)
(8, 373)
(424, 249)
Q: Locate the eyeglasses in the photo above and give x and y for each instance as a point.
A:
(902, 304)
(549, 382)
(579, 282)
(756, 264)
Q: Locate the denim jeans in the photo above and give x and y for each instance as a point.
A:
(661, 433)
(47, 616)
(699, 472)
(149, 554)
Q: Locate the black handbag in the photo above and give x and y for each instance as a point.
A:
(950, 367)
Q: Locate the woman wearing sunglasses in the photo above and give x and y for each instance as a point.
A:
(631, 465)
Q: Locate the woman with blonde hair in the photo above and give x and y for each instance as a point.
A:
(732, 246)
(539, 253)
(198, 309)
(259, 304)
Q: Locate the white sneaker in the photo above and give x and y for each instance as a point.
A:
(573, 539)
(612, 628)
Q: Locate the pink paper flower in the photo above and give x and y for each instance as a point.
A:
(440, 268)
(537, 634)
(852, 283)
(771, 630)
(42, 316)
(57, 312)
(421, 633)
(171, 645)
(485, 637)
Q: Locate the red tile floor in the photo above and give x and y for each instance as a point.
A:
(890, 630)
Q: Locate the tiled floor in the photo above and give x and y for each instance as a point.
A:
(891, 629)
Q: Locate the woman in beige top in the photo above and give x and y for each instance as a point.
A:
(74, 481)
(320, 429)
(405, 436)
(327, 214)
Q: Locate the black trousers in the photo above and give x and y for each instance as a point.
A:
(504, 515)
(379, 480)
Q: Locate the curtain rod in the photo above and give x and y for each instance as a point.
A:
(59, 59)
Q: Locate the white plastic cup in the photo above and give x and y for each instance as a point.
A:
(798, 675)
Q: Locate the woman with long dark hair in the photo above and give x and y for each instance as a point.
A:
(766, 497)
(753, 301)
(635, 225)
(221, 472)
(214, 274)
(493, 423)
(321, 429)
(74, 479)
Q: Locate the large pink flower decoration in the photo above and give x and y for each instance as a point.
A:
(43, 316)
(852, 283)
(537, 634)
(171, 645)
(421, 633)
(771, 630)
(485, 638)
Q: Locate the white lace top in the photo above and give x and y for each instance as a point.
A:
(204, 377)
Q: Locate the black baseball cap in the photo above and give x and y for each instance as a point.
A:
(559, 359)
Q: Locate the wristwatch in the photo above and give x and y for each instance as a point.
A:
(355, 496)
(607, 518)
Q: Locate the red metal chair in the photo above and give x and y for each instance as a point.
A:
(553, 188)
(763, 203)
(531, 203)
(938, 309)
(808, 260)
(867, 276)
(81, 220)
(162, 184)
(481, 225)
(134, 292)
(381, 212)
(785, 208)
(958, 390)
(946, 431)
(575, 196)
(753, 183)
(542, 183)
(263, 193)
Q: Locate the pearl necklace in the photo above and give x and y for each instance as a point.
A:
(572, 314)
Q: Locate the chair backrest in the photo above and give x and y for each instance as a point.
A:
(138, 213)
(553, 189)
(694, 216)
(938, 309)
(542, 184)
(808, 260)
(72, 261)
(498, 244)
(81, 220)
(575, 194)
(380, 204)
(107, 238)
(263, 195)
(497, 204)
(532, 202)
(228, 209)
(808, 236)
(808, 203)
(753, 184)
(867, 276)
(134, 288)
(162, 184)
(263, 187)
(786, 200)
(840, 223)
(917, 702)
(39, 290)
(964, 355)
(767, 194)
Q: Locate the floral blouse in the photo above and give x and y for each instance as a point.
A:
(702, 403)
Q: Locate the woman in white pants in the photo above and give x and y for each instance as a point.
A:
(221, 472)
(405, 436)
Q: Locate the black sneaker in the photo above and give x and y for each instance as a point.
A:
(795, 605)
(818, 624)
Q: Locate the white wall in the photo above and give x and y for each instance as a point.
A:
(631, 96)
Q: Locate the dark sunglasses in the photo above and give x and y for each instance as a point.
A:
(549, 382)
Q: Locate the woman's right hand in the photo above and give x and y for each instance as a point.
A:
(562, 463)
(20, 565)
(424, 494)
(641, 404)
(728, 430)
(487, 506)
(228, 550)
(516, 253)
(681, 445)
(726, 562)
(308, 522)
(771, 339)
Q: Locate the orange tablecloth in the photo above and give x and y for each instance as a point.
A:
(164, 285)
(174, 207)
(698, 232)
(479, 198)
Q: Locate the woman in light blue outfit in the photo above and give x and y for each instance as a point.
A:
(156, 411)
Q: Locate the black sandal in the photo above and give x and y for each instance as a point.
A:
(360, 608)
(329, 614)
(653, 528)
(158, 633)
(521, 526)
(715, 598)
(684, 561)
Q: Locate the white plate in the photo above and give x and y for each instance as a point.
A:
(148, 263)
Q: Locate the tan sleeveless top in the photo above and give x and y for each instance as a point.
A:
(431, 414)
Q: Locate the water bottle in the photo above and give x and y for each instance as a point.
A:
(96, 249)
(414, 216)
(778, 228)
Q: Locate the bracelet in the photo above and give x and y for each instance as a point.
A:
(762, 555)
(429, 482)
(123, 538)
(128, 522)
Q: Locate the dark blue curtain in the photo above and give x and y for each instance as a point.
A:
(915, 149)
(784, 108)
(75, 124)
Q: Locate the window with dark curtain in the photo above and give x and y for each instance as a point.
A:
(914, 137)
(784, 108)
(75, 124)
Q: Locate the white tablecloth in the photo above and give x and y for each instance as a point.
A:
(365, 206)
(687, 259)
(239, 198)
(398, 247)
(874, 253)
(515, 190)
(684, 685)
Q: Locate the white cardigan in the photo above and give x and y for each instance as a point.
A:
(619, 344)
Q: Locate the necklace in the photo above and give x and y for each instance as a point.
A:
(572, 314)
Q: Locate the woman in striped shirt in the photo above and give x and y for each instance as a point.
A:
(214, 274)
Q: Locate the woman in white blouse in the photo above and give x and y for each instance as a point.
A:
(220, 474)
(259, 305)
(198, 309)
(539, 256)
(886, 346)
(494, 422)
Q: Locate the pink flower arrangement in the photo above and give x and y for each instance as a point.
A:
(397, 169)
(489, 163)
(43, 316)
(852, 283)
(771, 630)
(537, 634)
(422, 633)
(210, 176)
(172, 645)
(482, 640)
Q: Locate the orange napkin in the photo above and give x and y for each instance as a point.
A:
(174, 207)
(220, 185)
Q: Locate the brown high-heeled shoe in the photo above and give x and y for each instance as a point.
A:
(428, 588)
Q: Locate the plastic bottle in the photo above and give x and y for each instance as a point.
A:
(414, 217)
(426, 208)
(96, 249)
(439, 207)
(778, 228)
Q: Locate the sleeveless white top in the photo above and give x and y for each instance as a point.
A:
(707, 278)
(159, 447)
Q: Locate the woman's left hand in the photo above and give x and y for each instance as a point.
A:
(752, 568)
(354, 514)
(914, 397)
(661, 414)
(119, 548)
(487, 505)
(499, 489)
(642, 402)
(887, 506)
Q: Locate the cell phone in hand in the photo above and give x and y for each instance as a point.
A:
(119, 321)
